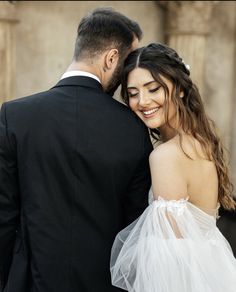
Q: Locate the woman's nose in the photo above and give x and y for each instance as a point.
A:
(144, 100)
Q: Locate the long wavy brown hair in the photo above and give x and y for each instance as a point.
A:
(161, 60)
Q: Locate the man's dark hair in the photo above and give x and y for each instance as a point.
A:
(102, 29)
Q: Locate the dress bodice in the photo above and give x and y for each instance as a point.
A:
(173, 246)
(206, 219)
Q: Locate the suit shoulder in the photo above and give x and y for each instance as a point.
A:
(34, 98)
(126, 112)
(29, 104)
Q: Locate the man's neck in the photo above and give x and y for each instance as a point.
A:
(80, 66)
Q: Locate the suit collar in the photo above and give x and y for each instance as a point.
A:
(79, 73)
(79, 81)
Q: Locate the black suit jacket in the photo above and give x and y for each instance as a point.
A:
(73, 172)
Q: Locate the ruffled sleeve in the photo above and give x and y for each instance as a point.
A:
(173, 247)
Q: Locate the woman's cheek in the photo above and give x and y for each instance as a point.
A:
(132, 104)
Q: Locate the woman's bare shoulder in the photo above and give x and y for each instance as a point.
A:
(181, 146)
(168, 177)
(169, 150)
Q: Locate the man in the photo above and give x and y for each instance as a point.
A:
(73, 168)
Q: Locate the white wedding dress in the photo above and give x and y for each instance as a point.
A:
(173, 246)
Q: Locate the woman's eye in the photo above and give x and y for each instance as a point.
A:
(155, 89)
(132, 94)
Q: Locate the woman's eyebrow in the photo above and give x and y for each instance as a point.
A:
(149, 82)
(145, 84)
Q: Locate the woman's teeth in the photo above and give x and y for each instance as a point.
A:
(150, 111)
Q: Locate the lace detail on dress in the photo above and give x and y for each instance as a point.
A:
(172, 206)
(175, 204)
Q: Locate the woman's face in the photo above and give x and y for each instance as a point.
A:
(147, 98)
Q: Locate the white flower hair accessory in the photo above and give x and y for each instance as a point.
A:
(187, 66)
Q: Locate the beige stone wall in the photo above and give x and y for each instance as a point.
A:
(204, 34)
(220, 75)
(46, 32)
(219, 91)
(37, 40)
(8, 21)
(187, 29)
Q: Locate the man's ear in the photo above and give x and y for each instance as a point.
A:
(111, 58)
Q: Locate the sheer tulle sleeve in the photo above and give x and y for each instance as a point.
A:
(173, 247)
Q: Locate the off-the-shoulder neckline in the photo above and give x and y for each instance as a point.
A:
(172, 200)
(186, 199)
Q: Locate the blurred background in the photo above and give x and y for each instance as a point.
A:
(37, 42)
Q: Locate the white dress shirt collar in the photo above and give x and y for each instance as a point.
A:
(80, 73)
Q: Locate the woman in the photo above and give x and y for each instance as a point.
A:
(175, 246)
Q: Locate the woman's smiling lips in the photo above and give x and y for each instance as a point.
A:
(150, 112)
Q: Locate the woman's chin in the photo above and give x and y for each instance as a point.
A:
(151, 124)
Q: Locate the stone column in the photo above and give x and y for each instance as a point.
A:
(8, 20)
(232, 122)
(188, 24)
